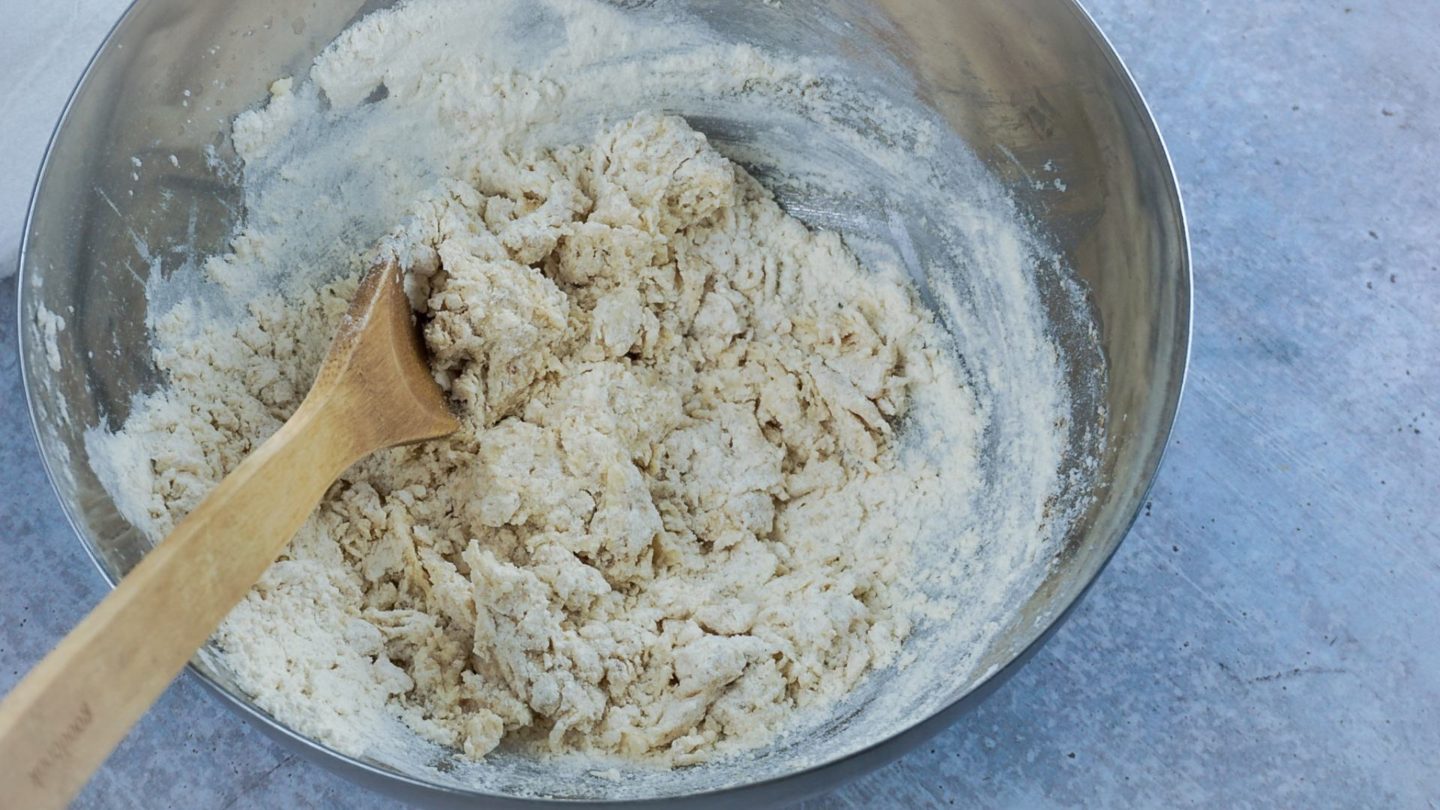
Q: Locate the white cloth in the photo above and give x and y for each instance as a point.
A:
(44, 47)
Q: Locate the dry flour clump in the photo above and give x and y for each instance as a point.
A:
(674, 514)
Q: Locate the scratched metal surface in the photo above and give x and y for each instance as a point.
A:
(1267, 634)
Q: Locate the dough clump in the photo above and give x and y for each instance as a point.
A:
(670, 519)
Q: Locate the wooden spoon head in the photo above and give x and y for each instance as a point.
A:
(377, 374)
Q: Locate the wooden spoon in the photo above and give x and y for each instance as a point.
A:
(373, 391)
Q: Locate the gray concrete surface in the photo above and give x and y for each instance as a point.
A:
(1267, 636)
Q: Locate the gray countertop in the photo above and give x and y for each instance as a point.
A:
(1267, 635)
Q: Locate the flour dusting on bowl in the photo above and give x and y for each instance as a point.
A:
(725, 487)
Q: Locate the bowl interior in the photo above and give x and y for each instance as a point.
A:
(1030, 93)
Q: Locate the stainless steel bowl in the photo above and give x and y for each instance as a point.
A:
(1027, 84)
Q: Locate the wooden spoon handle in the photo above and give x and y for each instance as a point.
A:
(71, 710)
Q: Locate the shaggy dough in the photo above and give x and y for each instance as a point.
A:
(667, 521)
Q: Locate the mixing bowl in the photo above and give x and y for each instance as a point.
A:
(1031, 86)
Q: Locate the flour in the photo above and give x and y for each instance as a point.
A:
(713, 471)
(50, 325)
